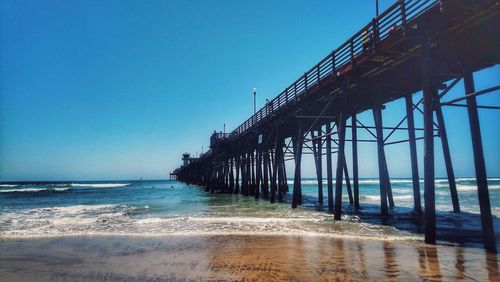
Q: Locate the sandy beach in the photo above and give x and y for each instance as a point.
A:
(243, 257)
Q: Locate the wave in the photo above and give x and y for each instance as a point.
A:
(104, 220)
(474, 187)
(74, 209)
(31, 190)
(100, 185)
(8, 185)
(377, 198)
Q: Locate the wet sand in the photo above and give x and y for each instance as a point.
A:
(238, 257)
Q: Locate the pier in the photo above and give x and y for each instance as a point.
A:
(415, 45)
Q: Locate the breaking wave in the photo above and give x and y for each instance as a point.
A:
(32, 190)
(119, 219)
(100, 185)
(377, 198)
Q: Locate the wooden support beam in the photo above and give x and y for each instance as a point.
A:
(231, 175)
(447, 156)
(472, 94)
(297, 191)
(253, 187)
(329, 166)
(226, 175)
(478, 106)
(245, 174)
(274, 167)
(265, 183)
(388, 183)
(317, 146)
(281, 172)
(479, 163)
(385, 168)
(284, 178)
(377, 116)
(430, 92)
(355, 160)
(237, 182)
(340, 165)
(258, 168)
(417, 206)
(348, 182)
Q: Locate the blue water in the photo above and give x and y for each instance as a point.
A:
(169, 207)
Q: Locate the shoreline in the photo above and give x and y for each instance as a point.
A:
(305, 234)
(234, 257)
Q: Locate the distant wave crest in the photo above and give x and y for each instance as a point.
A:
(31, 190)
(100, 185)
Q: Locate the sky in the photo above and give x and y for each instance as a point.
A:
(100, 90)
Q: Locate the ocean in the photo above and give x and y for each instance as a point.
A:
(162, 207)
(166, 230)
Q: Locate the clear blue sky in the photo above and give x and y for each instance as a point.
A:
(119, 89)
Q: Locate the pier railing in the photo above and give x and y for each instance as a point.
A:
(341, 59)
(218, 137)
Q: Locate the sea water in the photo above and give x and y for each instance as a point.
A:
(166, 207)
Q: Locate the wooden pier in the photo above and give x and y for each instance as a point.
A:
(415, 45)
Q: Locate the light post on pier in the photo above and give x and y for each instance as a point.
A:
(254, 100)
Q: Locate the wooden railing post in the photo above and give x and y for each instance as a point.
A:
(305, 81)
(317, 71)
(376, 35)
(403, 12)
(351, 45)
(333, 62)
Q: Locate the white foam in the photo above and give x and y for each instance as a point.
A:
(8, 185)
(249, 219)
(405, 197)
(21, 190)
(76, 208)
(466, 179)
(61, 189)
(474, 187)
(100, 185)
(369, 181)
(61, 222)
(377, 198)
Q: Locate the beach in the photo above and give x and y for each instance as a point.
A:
(238, 258)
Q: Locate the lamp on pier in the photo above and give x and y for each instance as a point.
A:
(254, 100)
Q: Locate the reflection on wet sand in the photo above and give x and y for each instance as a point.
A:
(233, 257)
(429, 263)
(492, 266)
(391, 267)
